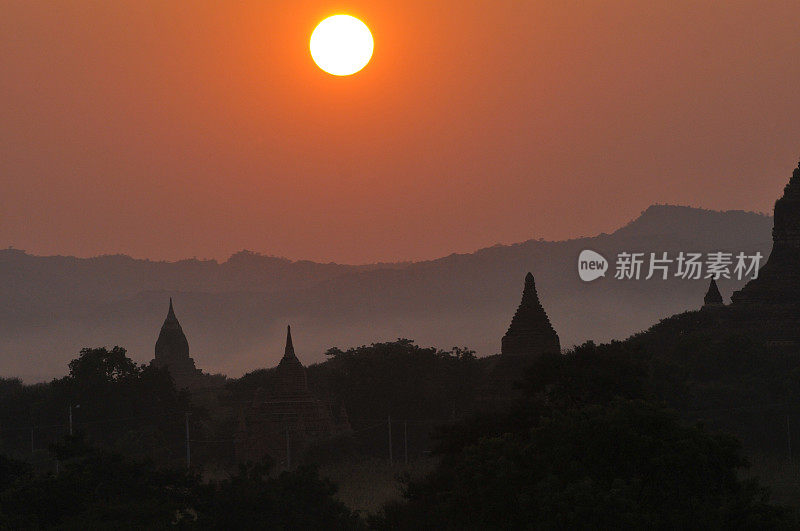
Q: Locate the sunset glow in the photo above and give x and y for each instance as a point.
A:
(211, 130)
(341, 45)
(249, 247)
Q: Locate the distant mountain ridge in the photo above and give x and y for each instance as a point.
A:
(233, 312)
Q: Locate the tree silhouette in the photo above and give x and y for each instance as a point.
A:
(623, 465)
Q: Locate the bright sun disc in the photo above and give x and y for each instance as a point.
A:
(341, 45)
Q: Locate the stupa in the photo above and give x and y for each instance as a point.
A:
(282, 421)
(530, 332)
(713, 298)
(172, 353)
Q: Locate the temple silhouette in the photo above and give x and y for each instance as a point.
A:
(529, 336)
(284, 420)
(767, 308)
(530, 331)
(769, 305)
(283, 417)
(713, 298)
(172, 353)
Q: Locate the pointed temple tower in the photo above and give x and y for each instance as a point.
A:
(778, 281)
(290, 375)
(770, 304)
(172, 352)
(530, 332)
(285, 419)
(713, 298)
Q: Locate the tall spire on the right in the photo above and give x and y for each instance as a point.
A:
(786, 228)
(793, 186)
(530, 331)
(778, 282)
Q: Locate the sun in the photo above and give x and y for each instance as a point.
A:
(341, 45)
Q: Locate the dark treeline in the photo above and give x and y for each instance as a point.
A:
(134, 409)
(613, 465)
(605, 436)
(98, 489)
(416, 387)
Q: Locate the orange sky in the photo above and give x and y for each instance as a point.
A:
(198, 128)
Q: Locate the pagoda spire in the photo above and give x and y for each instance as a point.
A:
(290, 375)
(172, 350)
(171, 321)
(288, 351)
(792, 188)
(768, 306)
(171, 312)
(713, 296)
(530, 331)
(778, 281)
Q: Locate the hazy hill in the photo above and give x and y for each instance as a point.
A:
(234, 313)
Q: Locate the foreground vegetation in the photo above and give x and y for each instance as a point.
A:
(96, 489)
(573, 456)
(604, 436)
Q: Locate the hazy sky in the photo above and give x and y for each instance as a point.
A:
(198, 128)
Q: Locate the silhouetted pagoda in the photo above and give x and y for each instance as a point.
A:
(769, 305)
(290, 375)
(529, 336)
(283, 420)
(530, 332)
(172, 353)
(713, 298)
